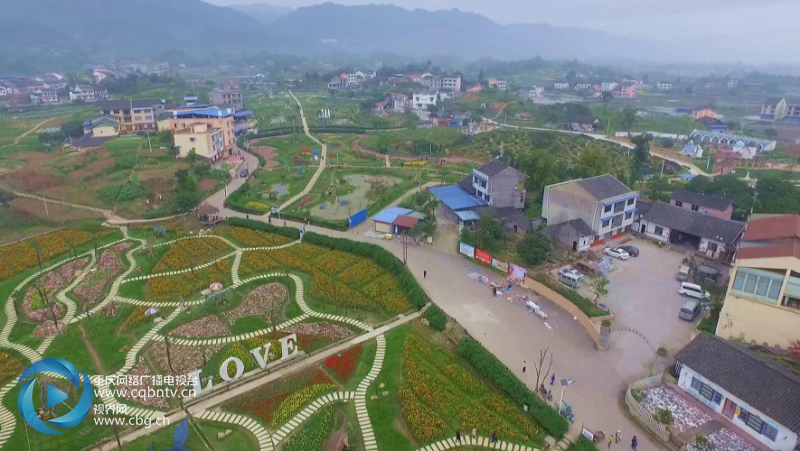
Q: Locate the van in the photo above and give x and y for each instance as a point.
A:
(693, 291)
(689, 311)
(571, 277)
(683, 273)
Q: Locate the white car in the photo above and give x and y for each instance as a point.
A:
(693, 291)
(617, 253)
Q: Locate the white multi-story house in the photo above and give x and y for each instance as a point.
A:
(422, 100)
(607, 86)
(5, 91)
(663, 86)
(604, 203)
(44, 96)
(87, 93)
(356, 78)
(582, 86)
(733, 83)
(755, 395)
(559, 85)
(441, 82)
(502, 85)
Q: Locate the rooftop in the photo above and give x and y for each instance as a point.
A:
(762, 384)
(456, 198)
(694, 223)
(604, 187)
(128, 104)
(703, 200)
(212, 112)
(773, 228)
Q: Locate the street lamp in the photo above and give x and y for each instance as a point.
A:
(564, 384)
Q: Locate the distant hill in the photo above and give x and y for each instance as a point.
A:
(264, 13)
(387, 28)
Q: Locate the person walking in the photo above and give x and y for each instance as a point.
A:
(618, 436)
(524, 366)
(494, 437)
(553, 379)
(634, 443)
(458, 436)
(610, 441)
(474, 433)
(425, 274)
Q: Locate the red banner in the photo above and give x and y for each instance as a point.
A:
(483, 257)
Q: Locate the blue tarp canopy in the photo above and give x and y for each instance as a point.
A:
(456, 197)
(467, 215)
(390, 214)
(208, 112)
(199, 105)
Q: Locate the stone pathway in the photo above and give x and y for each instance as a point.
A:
(361, 397)
(483, 442)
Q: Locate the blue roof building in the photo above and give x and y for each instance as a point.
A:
(456, 198)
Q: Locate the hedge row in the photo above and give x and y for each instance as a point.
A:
(583, 444)
(289, 232)
(436, 317)
(405, 280)
(340, 224)
(491, 368)
(586, 306)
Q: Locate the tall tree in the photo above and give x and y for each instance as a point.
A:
(594, 161)
(628, 117)
(641, 154)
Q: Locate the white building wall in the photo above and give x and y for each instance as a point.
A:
(650, 230)
(786, 440)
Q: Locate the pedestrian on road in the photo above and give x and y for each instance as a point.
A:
(270, 219)
(494, 437)
(634, 443)
(524, 366)
(284, 223)
(458, 436)
(474, 432)
(618, 437)
(610, 441)
(553, 379)
(248, 216)
(425, 274)
(494, 292)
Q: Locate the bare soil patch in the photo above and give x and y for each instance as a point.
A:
(57, 212)
(206, 184)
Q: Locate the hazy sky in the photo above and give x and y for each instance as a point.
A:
(751, 30)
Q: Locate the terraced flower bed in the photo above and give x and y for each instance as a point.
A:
(136, 386)
(253, 238)
(207, 326)
(16, 258)
(256, 262)
(314, 434)
(262, 404)
(261, 301)
(191, 252)
(344, 363)
(92, 288)
(172, 288)
(35, 306)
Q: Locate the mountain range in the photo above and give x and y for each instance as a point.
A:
(49, 30)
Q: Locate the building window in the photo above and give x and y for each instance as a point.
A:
(630, 201)
(607, 208)
(695, 207)
(754, 422)
(629, 215)
(605, 223)
(678, 203)
(659, 231)
(706, 391)
(769, 432)
(696, 383)
(757, 283)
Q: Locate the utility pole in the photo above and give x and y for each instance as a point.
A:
(148, 143)
(663, 162)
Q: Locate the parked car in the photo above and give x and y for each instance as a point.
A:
(617, 253)
(693, 291)
(689, 311)
(683, 273)
(570, 277)
(243, 173)
(633, 251)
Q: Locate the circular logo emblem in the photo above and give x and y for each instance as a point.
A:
(54, 395)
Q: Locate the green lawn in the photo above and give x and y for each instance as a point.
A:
(240, 439)
(385, 410)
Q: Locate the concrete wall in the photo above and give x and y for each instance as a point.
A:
(723, 214)
(567, 201)
(786, 440)
(650, 230)
(223, 123)
(504, 190)
(757, 321)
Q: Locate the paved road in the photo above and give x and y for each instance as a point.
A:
(322, 162)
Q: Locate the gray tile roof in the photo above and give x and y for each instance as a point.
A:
(643, 207)
(580, 227)
(763, 384)
(694, 223)
(703, 200)
(604, 186)
(493, 167)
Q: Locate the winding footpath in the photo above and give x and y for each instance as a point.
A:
(207, 407)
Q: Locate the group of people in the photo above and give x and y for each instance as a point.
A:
(616, 438)
(475, 435)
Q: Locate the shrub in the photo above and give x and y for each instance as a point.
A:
(436, 317)
(257, 206)
(491, 368)
(664, 416)
(534, 249)
(638, 395)
(289, 232)
(586, 306)
(583, 444)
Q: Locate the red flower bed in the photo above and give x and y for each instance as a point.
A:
(344, 364)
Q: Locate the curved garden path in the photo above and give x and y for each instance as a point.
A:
(266, 440)
(322, 162)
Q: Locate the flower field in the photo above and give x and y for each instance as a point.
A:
(335, 261)
(297, 401)
(135, 318)
(307, 251)
(440, 395)
(261, 302)
(92, 288)
(257, 261)
(313, 336)
(314, 434)
(10, 367)
(344, 364)
(36, 307)
(172, 288)
(360, 274)
(253, 238)
(191, 252)
(207, 326)
(141, 380)
(262, 403)
(16, 258)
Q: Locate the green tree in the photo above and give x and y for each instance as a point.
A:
(776, 196)
(534, 248)
(641, 154)
(599, 287)
(770, 133)
(489, 233)
(606, 97)
(733, 125)
(628, 117)
(594, 161)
